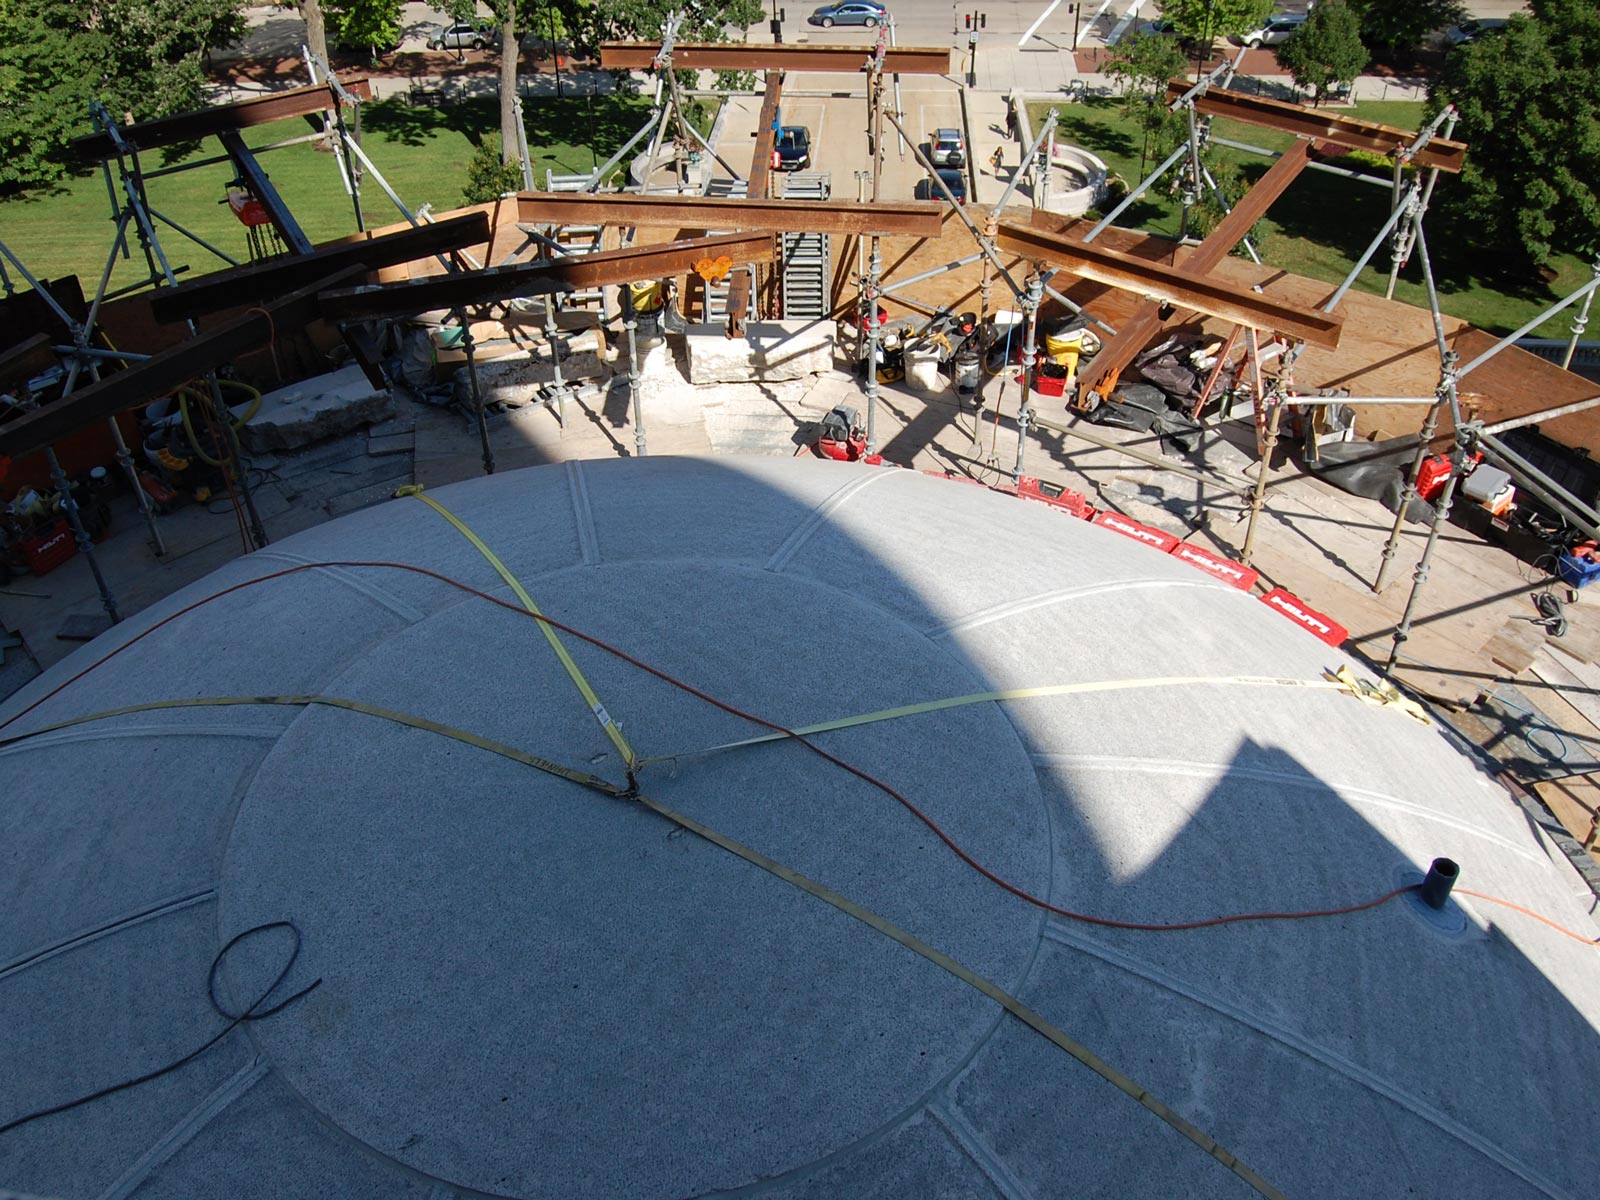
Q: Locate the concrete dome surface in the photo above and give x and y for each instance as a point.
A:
(534, 988)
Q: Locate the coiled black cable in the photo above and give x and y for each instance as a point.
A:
(253, 1013)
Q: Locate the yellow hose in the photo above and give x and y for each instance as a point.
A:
(183, 395)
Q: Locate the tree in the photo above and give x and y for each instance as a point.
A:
(1145, 63)
(1203, 21)
(704, 20)
(374, 24)
(1326, 50)
(144, 57)
(1393, 28)
(489, 176)
(510, 51)
(1529, 105)
(316, 25)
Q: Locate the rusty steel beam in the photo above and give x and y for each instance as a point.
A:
(1169, 285)
(736, 56)
(206, 122)
(1321, 125)
(163, 373)
(760, 181)
(907, 218)
(1134, 334)
(240, 285)
(29, 357)
(544, 278)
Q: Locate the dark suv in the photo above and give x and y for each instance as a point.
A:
(793, 148)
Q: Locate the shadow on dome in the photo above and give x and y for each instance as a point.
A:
(532, 988)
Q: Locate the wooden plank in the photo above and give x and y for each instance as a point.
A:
(542, 278)
(29, 357)
(1322, 125)
(206, 122)
(165, 372)
(1165, 285)
(1133, 337)
(913, 218)
(738, 56)
(760, 180)
(236, 285)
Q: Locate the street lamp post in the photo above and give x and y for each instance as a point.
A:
(555, 46)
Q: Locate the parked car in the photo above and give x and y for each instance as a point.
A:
(1277, 30)
(855, 12)
(793, 147)
(464, 36)
(954, 180)
(1471, 31)
(947, 149)
(1156, 29)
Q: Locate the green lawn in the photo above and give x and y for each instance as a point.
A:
(422, 152)
(1322, 223)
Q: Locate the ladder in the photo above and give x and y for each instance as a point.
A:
(715, 307)
(805, 257)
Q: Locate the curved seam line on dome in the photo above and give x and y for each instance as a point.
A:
(583, 514)
(372, 591)
(814, 520)
(1219, 771)
(84, 937)
(90, 733)
(1015, 608)
(1309, 1049)
(971, 1143)
(180, 1135)
(365, 1148)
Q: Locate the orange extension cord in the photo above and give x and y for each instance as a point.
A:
(955, 848)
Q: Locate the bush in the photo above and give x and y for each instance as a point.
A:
(488, 177)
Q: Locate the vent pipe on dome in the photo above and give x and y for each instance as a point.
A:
(1441, 878)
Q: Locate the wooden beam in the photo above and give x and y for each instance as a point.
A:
(29, 357)
(261, 187)
(240, 285)
(908, 218)
(1134, 334)
(1322, 125)
(760, 180)
(206, 122)
(160, 375)
(737, 56)
(1170, 285)
(577, 273)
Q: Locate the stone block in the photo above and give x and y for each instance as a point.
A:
(323, 406)
(515, 380)
(769, 351)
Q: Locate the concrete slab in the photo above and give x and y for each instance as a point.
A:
(770, 351)
(314, 409)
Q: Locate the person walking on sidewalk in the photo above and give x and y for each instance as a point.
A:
(1011, 118)
(997, 158)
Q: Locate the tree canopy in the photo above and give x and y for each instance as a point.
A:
(1529, 105)
(1145, 62)
(363, 24)
(1326, 50)
(1206, 20)
(1395, 27)
(143, 57)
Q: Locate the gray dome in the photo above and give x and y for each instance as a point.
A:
(530, 988)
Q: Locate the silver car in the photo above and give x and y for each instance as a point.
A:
(464, 36)
(946, 148)
(1277, 30)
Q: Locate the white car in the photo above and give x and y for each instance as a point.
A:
(946, 148)
(1277, 30)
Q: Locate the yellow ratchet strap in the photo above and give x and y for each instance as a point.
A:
(629, 758)
(1030, 693)
(387, 714)
(971, 978)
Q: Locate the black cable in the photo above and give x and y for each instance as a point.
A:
(234, 1021)
(1552, 612)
